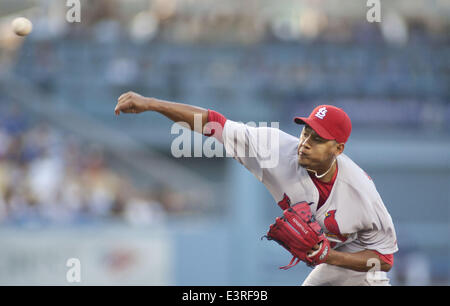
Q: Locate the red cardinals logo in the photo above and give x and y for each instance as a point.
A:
(332, 226)
(285, 203)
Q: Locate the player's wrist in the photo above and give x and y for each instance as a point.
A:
(332, 257)
(151, 104)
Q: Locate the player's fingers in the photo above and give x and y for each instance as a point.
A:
(117, 108)
(118, 105)
(314, 248)
(123, 100)
(125, 107)
(124, 95)
(122, 104)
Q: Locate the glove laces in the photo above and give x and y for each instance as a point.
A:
(291, 264)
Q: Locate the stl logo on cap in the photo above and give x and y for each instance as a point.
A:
(337, 124)
(321, 112)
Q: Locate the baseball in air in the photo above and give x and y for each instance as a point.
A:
(22, 26)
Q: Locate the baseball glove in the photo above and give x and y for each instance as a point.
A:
(298, 232)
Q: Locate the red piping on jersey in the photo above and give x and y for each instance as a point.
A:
(217, 118)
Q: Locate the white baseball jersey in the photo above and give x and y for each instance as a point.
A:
(353, 217)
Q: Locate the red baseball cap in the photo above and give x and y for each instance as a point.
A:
(329, 121)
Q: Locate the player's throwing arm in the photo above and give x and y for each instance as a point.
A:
(133, 103)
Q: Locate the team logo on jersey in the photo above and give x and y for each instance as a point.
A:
(285, 203)
(332, 226)
(321, 112)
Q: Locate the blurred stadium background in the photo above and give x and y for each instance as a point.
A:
(78, 182)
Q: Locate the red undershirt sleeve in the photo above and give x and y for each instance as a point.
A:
(387, 258)
(215, 125)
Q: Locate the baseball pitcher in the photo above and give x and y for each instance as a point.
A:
(333, 218)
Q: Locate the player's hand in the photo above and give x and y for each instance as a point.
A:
(131, 102)
(314, 249)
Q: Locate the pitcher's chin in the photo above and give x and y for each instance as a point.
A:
(302, 163)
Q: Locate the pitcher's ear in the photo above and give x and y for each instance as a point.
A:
(340, 148)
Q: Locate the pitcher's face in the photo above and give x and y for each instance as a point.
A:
(315, 152)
